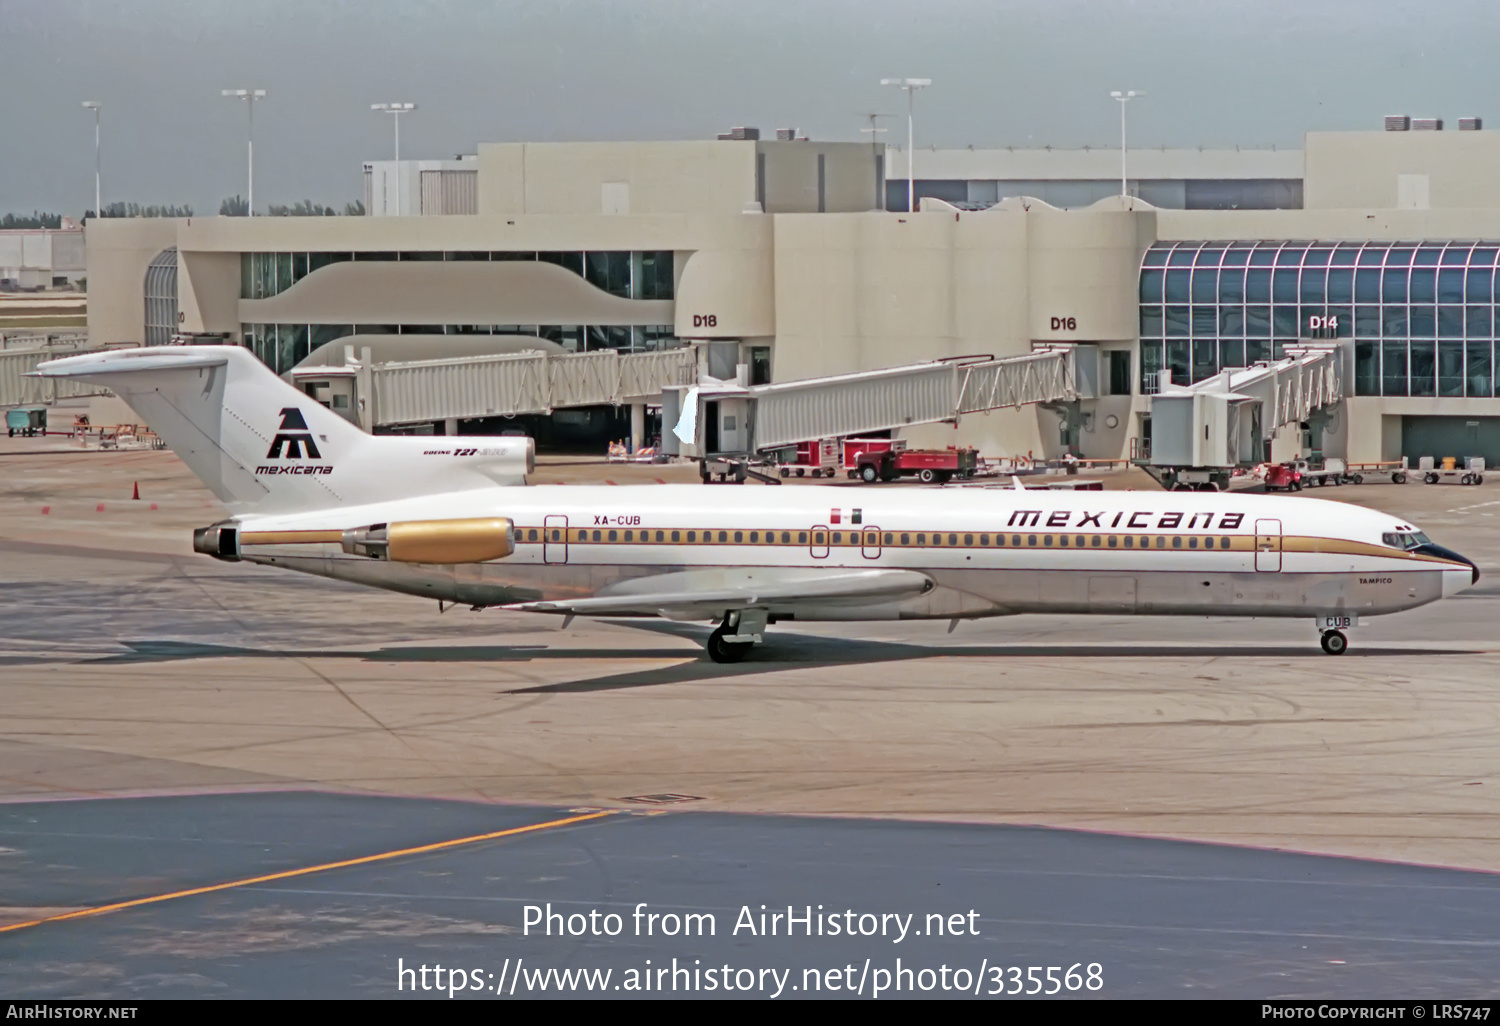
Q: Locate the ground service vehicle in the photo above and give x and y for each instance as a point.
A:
(926, 465)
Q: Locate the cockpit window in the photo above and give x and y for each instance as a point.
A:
(1405, 539)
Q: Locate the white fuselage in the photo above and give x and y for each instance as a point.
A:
(987, 551)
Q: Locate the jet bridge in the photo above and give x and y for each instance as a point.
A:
(381, 394)
(729, 421)
(19, 358)
(1201, 432)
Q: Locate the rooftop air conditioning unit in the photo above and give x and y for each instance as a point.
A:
(786, 134)
(1426, 124)
(1470, 124)
(1397, 123)
(741, 134)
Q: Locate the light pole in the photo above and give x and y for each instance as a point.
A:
(875, 131)
(911, 85)
(96, 106)
(249, 96)
(395, 110)
(1124, 98)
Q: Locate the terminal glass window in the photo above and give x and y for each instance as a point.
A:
(1421, 315)
(644, 274)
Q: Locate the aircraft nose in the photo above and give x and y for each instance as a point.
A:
(1444, 553)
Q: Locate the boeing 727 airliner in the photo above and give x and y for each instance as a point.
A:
(447, 518)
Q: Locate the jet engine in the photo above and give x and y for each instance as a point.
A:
(476, 540)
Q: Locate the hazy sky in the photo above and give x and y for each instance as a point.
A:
(1006, 72)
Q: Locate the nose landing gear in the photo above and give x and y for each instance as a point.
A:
(1335, 642)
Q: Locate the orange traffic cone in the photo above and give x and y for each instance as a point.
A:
(136, 491)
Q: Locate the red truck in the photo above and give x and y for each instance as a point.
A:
(927, 465)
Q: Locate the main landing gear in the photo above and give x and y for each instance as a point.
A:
(1335, 642)
(732, 640)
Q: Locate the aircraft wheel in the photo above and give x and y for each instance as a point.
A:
(868, 474)
(926, 476)
(1335, 643)
(721, 651)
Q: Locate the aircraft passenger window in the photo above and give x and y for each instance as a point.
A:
(630, 535)
(906, 539)
(613, 535)
(1161, 541)
(1096, 541)
(1079, 541)
(953, 540)
(596, 536)
(968, 539)
(660, 535)
(1112, 541)
(692, 536)
(984, 539)
(1031, 539)
(838, 537)
(1129, 541)
(801, 537)
(1015, 539)
(555, 534)
(533, 535)
(1192, 543)
(1223, 543)
(786, 536)
(888, 537)
(1177, 543)
(739, 536)
(754, 537)
(1062, 540)
(676, 536)
(1047, 540)
(723, 536)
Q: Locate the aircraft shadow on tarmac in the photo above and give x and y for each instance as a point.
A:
(781, 651)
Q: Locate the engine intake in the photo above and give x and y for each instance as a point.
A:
(476, 540)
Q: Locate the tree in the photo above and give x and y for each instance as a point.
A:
(302, 208)
(36, 219)
(355, 209)
(234, 206)
(122, 209)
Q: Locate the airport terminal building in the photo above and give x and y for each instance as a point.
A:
(804, 256)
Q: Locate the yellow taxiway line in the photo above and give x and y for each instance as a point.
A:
(100, 910)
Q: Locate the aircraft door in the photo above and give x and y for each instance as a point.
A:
(818, 542)
(1268, 546)
(869, 542)
(554, 539)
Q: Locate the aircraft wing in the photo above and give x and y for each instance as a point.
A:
(713, 591)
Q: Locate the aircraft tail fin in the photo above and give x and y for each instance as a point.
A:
(262, 446)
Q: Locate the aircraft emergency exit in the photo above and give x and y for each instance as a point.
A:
(446, 518)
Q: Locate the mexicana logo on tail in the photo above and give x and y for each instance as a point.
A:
(293, 439)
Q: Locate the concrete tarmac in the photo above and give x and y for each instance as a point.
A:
(130, 668)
